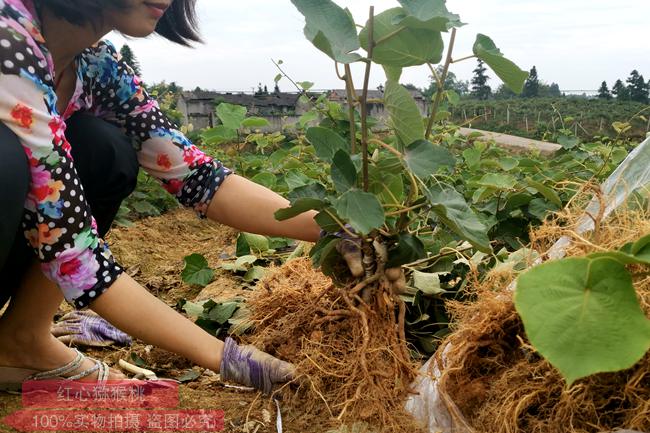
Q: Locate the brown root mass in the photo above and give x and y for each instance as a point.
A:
(498, 381)
(352, 359)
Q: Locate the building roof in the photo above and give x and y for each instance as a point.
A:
(239, 98)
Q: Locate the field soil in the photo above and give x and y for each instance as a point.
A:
(152, 252)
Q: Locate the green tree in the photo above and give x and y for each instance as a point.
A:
(603, 92)
(504, 92)
(621, 92)
(129, 57)
(531, 86)
(167, 95)
(637, 87)
(411, 86)
(554, 90)
(451, 83)
(480, 89)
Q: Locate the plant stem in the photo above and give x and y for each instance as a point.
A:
(441, 84)
(390, 35)
(463, 58)
(388, 147)
(364, 98)
(351, 101)
(407, 210)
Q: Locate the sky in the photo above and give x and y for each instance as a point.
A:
(575, 43)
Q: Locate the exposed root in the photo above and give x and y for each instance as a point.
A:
(351, 354)
(498, 381)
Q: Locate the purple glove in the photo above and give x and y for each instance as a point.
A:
(250, 366)
(85, 328)
(350, 249)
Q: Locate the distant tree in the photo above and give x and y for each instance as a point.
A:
(129, 58)
(531, 86)
(554, 90)
(480, 89)
(167, 96)
(410, 86)
(451, 83)
(603, 92)
(637, 87)
(197, 89)
(504, 92)
(621, 92)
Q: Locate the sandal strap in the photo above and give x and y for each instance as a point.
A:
(87, 372)
(52, 374)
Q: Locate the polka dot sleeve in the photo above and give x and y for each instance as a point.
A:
(163, 151)
(57, 221)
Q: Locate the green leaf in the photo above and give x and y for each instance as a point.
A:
(511, 75)
(222, 312)
(330, 28)
(405, 115)
(424, 158)
(323, 249)
(254, 273)
(343, 171)
(568, 142)
(188, 376)
(265, 179)
(409, 249)
(326, 142)
(193, 309)
(361, 210)
(255, 122)
(472, 157)
(218, 134)
(305, 85)
(196, 271)
(498, 181)
(452, 209)
(314, 190)
(548, 193)
(277, 78)
(300, 206)
(429, 14)
(393, 73)
(231, 115)
(326, 221)
(452, 96)
(428, 283)
(242, 264)
(583, 316)
(257, 244)
(401, 46)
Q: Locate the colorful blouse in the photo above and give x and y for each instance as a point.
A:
(57, 221)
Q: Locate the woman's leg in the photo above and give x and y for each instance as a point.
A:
(25, 338)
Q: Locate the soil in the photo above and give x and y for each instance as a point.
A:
(152, 252)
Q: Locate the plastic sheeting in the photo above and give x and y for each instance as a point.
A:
(433, 408)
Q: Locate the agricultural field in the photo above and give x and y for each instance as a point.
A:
(543, 118)
(454, 233)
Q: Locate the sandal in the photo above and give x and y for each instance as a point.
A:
(11, 379)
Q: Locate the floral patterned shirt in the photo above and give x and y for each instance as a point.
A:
(57, 220)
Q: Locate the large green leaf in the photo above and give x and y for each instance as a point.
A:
(196, 271)
(255, 122)
(507, 71)
(631, 253)
(330, 28)
(401, 46)
(344, 173)
(429, 14)
(424, 158)
(361, 210)
(583, 315)
(231, 115)
(498, 181)
(326, 142)
(313, 190)
(301, 205)
(408, 249)
(219, 134)
(404, 113)
(452, 209)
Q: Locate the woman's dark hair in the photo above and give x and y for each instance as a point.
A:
(179, 24)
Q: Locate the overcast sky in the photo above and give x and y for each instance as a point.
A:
(576, 43)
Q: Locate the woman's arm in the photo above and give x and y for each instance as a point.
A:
(250, 207)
